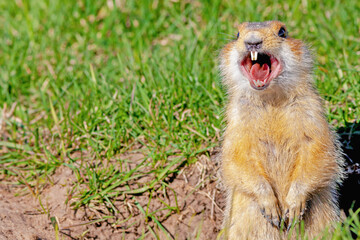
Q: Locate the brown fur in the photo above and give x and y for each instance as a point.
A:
(281, 161)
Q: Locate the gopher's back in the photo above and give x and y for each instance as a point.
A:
(281, 161)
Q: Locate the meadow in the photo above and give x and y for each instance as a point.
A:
(125, 95)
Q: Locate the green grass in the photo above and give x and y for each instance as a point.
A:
(103, 78)
(351, 225)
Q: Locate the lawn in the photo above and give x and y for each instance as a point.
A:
(127, 94)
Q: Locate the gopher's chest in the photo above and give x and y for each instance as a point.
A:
(276, 138)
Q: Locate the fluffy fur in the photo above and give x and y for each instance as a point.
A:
(281, 161)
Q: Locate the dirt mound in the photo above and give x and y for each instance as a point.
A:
(187, 205)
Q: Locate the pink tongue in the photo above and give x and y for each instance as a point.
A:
(258, 72)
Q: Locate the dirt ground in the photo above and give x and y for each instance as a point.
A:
(199, 195)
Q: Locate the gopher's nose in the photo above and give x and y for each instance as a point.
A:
(253, 43)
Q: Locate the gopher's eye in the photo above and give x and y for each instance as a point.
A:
(282, 32)
(237, 36)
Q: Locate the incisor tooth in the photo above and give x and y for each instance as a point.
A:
(254, 55)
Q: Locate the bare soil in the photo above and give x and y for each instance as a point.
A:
(199, 197)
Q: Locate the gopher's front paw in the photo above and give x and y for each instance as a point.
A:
(269, 208)
(295, 206)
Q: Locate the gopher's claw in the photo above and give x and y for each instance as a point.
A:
(272, 218)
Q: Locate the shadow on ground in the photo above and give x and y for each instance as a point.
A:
(350, 139)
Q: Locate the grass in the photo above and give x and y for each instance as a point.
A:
(84, 82)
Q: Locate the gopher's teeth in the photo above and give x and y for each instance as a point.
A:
(254, 55)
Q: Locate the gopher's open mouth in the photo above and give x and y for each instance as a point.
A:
(260, 69)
